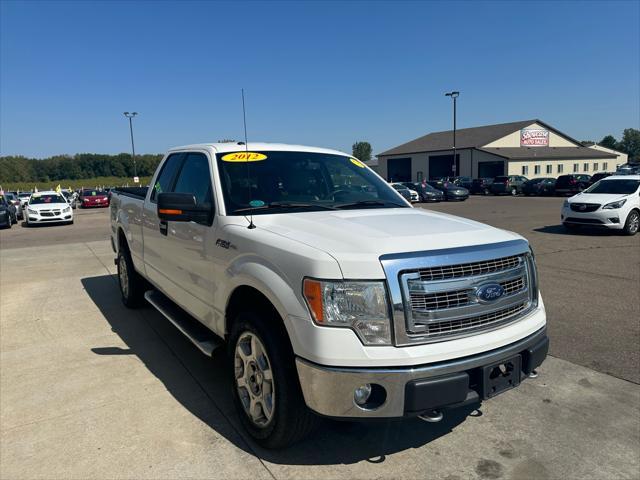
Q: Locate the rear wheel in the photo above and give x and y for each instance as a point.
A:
(486, 191)
(266, 389)
(632, 224)
(514, 191)
(130, 282)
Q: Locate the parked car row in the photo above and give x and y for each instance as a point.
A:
(432, 191)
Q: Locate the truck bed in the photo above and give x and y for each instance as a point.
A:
(135, 192)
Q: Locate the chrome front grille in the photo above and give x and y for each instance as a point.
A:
(458, 298)
(442, 295)
(470, 324)
(469, 269)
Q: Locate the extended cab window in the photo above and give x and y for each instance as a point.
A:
(166, 175)
(194, 177)
(285, 181)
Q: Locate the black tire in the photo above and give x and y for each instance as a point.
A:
(486, 191)
(131, 284)
(632, 224)
(291, 419)
(514, 191)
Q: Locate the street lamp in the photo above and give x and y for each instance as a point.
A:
(454, 95)
(133, 148)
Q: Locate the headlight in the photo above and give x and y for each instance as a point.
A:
(614, 205)
(31, 211)
(66, 209)
(361, 306)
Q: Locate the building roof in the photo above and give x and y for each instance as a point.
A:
(548, 153)
(475, 137)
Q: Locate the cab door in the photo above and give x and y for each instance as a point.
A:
(189, 247)
(157, 262)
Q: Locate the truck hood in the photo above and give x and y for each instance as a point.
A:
(357, 238)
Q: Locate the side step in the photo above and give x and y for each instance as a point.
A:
(201, 336)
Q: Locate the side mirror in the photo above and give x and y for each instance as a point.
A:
(183, 207)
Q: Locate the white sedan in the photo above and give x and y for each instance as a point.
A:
(48, 207)
(613, 202)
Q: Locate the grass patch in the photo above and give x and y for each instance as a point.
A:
(97, 182)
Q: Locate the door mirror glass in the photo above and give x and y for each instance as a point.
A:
(183, 207)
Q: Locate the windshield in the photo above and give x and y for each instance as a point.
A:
(92, 193)
(46, 198)
(273, 182)
(620, 187)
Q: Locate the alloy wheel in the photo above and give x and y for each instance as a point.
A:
(123, 275)
(254, 379)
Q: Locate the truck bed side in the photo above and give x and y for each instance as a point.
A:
(127, 206)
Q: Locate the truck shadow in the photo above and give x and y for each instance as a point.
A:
(201, 386)
(582, 230)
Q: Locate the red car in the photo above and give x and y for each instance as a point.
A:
(93, 198)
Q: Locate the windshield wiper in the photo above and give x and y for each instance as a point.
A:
(286, 205)
(366, 203)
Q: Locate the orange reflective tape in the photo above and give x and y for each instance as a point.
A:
(168, 211)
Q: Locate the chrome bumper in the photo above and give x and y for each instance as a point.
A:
(329, 390)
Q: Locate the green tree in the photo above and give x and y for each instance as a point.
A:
(630, 144)
(362, 151)
(609, 142)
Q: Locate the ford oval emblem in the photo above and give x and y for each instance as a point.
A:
(489, 292)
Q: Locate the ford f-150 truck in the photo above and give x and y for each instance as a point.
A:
(333, 296)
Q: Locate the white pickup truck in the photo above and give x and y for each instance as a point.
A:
(333, 295)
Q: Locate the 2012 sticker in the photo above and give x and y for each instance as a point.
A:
(357, 162)
(244, 157)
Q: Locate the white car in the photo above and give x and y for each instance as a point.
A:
(613, 202)
(48, 207)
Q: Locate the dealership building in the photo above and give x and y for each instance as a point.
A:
(531, 148)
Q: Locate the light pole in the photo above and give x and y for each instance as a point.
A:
(454, 95)
(133, 148)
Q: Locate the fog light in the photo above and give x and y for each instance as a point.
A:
(614, 220)
(362, 393)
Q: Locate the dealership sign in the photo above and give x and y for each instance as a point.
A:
(534, 137)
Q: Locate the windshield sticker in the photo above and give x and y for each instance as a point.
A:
(158, 187)
(357, 162)
(256, 203)
(244, 157)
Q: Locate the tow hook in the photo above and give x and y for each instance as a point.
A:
(434, 416)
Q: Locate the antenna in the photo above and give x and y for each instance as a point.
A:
(246, 149)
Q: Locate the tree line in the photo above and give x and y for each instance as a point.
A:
(75, 167)
(629, 143)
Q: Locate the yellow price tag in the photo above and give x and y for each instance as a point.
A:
(357, 162)
(244, 157)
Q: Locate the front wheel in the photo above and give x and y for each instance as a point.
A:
(514, 191)
(266, 389)
(632, 223)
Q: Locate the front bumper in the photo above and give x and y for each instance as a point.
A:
(609, 218)
(66, 217)
(411, 391)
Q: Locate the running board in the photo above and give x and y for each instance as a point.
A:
(200, 336)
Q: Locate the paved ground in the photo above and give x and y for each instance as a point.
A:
(89, 389)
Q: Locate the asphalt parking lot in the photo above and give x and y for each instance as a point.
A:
(89, 389)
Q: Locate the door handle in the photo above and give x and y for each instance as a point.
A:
(164, 227)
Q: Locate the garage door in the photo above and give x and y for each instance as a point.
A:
(442, 166)
(490, 169)
(399, 169)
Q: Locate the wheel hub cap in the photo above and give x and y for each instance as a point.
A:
(254, 379)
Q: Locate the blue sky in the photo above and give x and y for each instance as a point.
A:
(325, 74)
